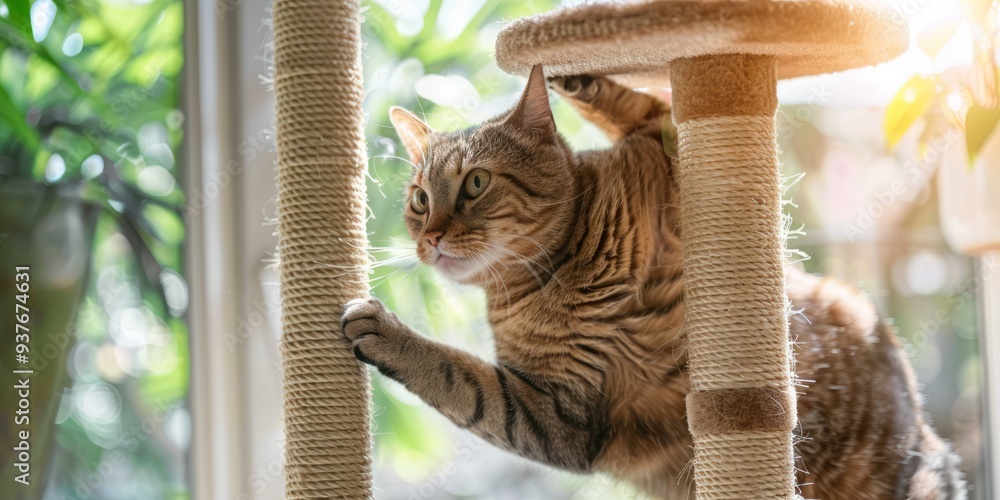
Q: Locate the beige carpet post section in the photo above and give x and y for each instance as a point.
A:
(321, 164)
(741, 408)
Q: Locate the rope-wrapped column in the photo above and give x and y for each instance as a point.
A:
(741, 406)
(321, 162)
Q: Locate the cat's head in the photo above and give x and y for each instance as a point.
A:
(491, 199)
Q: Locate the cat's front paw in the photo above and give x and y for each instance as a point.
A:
(376, 335)
(580, 87)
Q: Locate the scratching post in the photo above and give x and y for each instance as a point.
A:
(722, 58)
(321, 162)
(741, 404)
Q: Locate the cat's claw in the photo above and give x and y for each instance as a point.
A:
(367, 316)
(579, 87)
(375, 333)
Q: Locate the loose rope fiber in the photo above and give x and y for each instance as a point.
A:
(736, 320)
(321, 163)
(735, 289)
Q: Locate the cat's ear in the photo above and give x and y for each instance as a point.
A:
(533, 112)
(412, 131)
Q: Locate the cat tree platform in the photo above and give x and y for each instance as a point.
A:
(722, 59)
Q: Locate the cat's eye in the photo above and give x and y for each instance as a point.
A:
(418, 200)
(476, 182)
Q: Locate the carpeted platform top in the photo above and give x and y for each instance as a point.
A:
(637, 40)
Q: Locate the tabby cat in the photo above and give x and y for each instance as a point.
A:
(580, 258)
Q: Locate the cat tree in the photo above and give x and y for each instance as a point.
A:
(723, 58)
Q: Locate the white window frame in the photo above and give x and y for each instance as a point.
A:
(235, 399)
(215, 458)
(990, 334)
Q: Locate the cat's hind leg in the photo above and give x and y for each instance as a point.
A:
(617, 110)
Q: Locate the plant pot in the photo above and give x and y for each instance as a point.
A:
(970, 198)
(50, 230)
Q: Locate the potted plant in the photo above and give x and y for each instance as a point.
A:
(956, 105)
(88, 125)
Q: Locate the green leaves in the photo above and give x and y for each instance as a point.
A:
(910, 103)
(920, 93)
(979, 126)
(916, 97)
(12, 116)
(42, 78)
(165, 223)
(20, 15)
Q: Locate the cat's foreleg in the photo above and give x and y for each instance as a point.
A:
(615, 109)
(558, 426)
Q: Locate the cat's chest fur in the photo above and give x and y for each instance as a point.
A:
(618, 291)
(610, 317)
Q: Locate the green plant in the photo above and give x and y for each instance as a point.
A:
(89, 98)
(963, 97)
(88, 94)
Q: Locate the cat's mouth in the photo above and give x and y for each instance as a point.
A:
(453, 265)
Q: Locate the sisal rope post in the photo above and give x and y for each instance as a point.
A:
(322, 241)
(741, 406)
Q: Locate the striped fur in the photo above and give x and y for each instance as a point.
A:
(581, 262)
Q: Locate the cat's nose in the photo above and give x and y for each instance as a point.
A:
(433, 237)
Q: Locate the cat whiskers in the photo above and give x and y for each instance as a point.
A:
(406, 258)
(407, 261)
(374, 263)
(496, 274)
(392, 261)
(401, 281)
(528, 263)
(566, 200)
(552, 267)
(395, 157)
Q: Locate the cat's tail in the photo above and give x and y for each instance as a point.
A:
(936, 474)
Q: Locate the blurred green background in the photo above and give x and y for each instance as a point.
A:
(90, 129)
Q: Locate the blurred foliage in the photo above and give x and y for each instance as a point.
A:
(919, 285)
(89, 96)
(963, 97)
